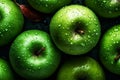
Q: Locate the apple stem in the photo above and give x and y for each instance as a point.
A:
(117, 57)
(40, 51)
(80, 31)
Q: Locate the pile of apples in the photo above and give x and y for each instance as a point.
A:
(72, 40)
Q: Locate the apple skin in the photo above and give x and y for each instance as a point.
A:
(33, 55)
(48, 6)
(109, 50)
(75, 29)
(104, 8)
(11, 21)
(5, 70)
(81, 68)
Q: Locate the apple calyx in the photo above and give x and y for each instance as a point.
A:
(38, 52)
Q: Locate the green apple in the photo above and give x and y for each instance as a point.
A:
(104, 8)
(109, 49)
(48, 6)
(82, 68)
(75, 29)
(5, 70)
(11, 21)
(33, 55)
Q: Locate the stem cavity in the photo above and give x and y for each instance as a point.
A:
(38, 52)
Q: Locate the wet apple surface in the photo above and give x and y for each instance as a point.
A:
(43, 25)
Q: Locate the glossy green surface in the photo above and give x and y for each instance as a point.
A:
(24, 59)
(5, 71)
(105, 8)
(64, 26)
(109, 49)
(83, 68)
(11, 21)
(48, 6)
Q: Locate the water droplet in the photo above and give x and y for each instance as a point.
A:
(59, 25)
(111, 62)
(71, 43)
(94, 30)
(89, 31)
(6, 29)
(5, 69)
(104, 1)
(46, 5)
(39, 67)
(116, 9)
(18, 57)
(1, 35)
(83, 44)
(89, 36)
(63, 27)
(66, 34)
(114, 35)
(36, 33)
(72, 21)
(109, 12)
(96, 33)
(117, 42)
(116, 29)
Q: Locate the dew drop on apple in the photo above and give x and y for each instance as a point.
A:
(96, 33)
(46, 5)
(63, 27)
(36, 33)
(117, 42)
(27, 69)
(112, 39)
(6, 29)
(116, 30)
(18, 57)
(1, 35)
(89, 31)
(104, 1)
(89, 36)
(109, 12)
(71, 43)
(114, 35)
(91, 42)
(116, 9)
(111, 62)
(39, 67)
(27, 48)
(59, 25)
(83, 44)
(66, 34)
(94, 30)
(26, 34)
